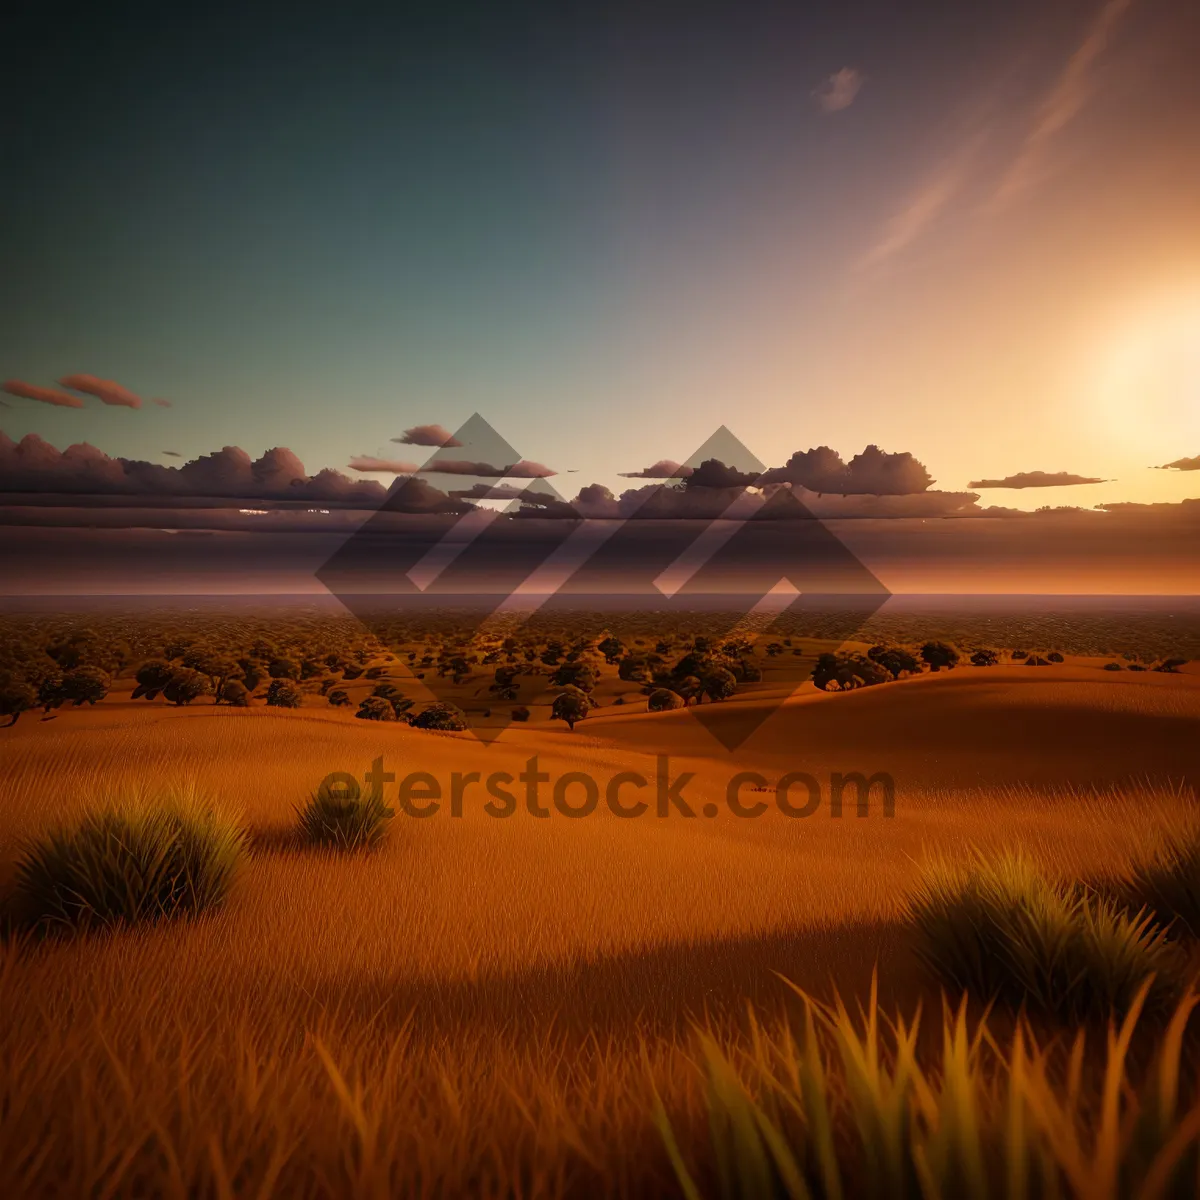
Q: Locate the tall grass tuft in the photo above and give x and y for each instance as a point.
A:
(847, 1106)
(1000, 930)
(135, 860)
(342, 819)
(1167, 881)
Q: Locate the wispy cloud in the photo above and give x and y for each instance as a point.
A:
(839, 90)
(31, 391)
(108, 391)
(1066, 99)
(369, 464)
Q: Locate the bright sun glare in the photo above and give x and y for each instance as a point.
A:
(1149, 381)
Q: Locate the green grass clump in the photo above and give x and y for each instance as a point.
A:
(1000, 930)
(343, 820)
(129, 863)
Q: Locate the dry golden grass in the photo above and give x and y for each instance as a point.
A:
(479, 1006)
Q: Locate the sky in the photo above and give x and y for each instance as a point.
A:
(970, 232)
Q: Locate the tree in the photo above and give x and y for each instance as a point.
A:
(848, 671)
(1055, 657)
(85, 685)
(634, 668)
(719, 684)
(690, 688)
(984, 658)
(1170, 666)
(233, 692)
(185, 686)
(376, 708)
(340, 698)
(893, 659)
(939, 655)
(16, 697)
(49, 692)
(663, 700)
(152, 677)
(284, 668)
(574, 674)
(569, 707)
(283, 693)
(443, 716)
(611, 648)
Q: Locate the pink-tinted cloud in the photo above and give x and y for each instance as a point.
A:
(108, 391)
(520, 470)
(1027, 479)
(665, 468)
(369, 464)
(839, 90)
(428, 435)
(31, 391)
(161, 402)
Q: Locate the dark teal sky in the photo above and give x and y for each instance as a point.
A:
(606, 232)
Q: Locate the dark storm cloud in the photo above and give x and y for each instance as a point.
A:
(428, 435)
(31, 391)
(1028, 479)
(108, 391)
(520, 470)
(1182, 464)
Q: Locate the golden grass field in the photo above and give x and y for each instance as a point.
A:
(479, 1006)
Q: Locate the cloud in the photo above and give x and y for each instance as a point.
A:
(383, 466)
(873, 472)
(108, 391)
(1066, 99)
(34, 465)
(30, 391)
(665, 468)
(839, 90)
(428, 435)
(490, 491)
(519, 470)
(161, 402)
(1182, 464)
(1028, 479)
(412, 494)
(172, 454)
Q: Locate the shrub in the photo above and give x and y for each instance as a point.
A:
(152, 677)
(283, 693)
(848, 671)
(1055, 657)
(1113, 666)
(340, 698)
(233, 692)
(1020, 654)
(520, 713)
(894, 660)
(663, 700)
(939, 655)
(343, 819)
(284, 668)
(984, 658)
(1002, 931)
(185, 686)
(376, 708)
(84, 685)
(1036, 660)
(130, 863)
(16, 697)
(443, 716)
(1170, 666)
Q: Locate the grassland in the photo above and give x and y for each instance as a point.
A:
(487, 1006)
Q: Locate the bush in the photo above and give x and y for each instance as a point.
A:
(719, 684)
(283, 693)
(376, 708)
(1055, 657)
(1002, 931)
(185, 686)
(84, 685)
(284, 668)
(520, 713)
(152, 677)
(443, 716)
(984, 658)
(848, 671)
(939, 655)
(233, 692)
(343, 819)
(1113, 666)
(663, 700)
(1170, 666)
(16, 697)
(129, 864)
(340, 698)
